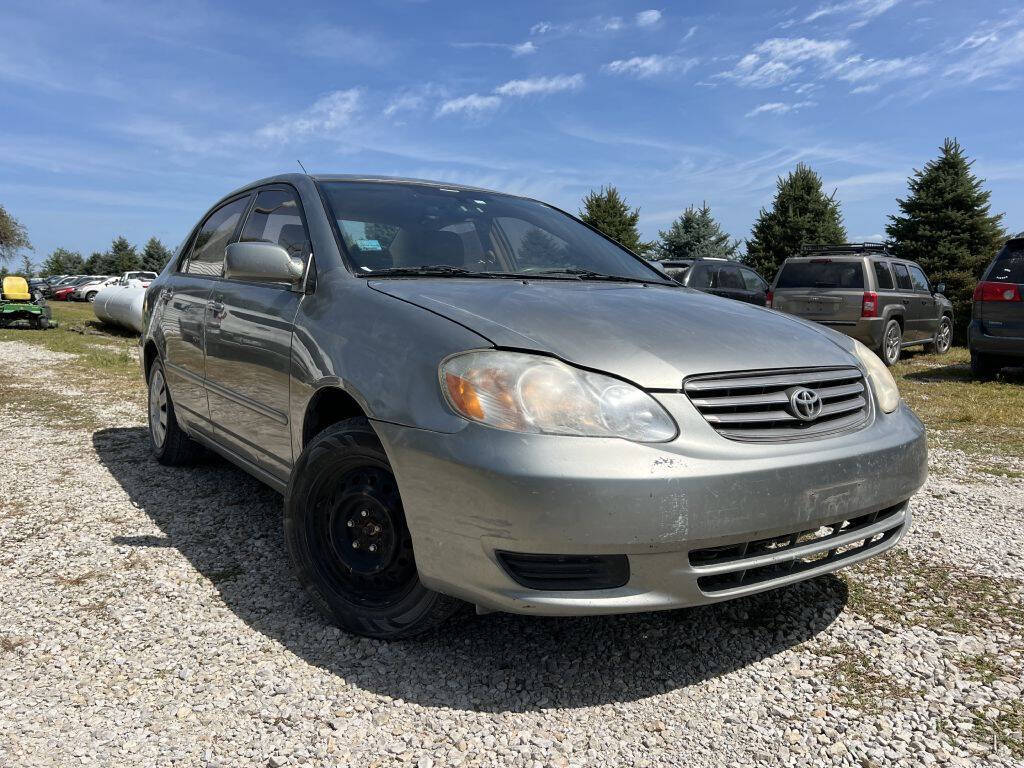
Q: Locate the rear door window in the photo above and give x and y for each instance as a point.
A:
(729, 277)
(1009, 264)
(752, 280)
(822, 274)
(883, 276)
(919, 281)
(700, 277)
(902, 277)
(207, 256)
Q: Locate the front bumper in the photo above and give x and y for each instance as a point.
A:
(469, 494)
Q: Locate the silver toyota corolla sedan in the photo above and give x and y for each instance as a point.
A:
(470, 396)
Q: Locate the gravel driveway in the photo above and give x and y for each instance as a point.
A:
(148, 616)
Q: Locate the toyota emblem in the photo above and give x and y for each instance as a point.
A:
(804, 403)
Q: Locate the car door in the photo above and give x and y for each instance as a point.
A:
(248, 342)
(906, 295)
(730, 283)
(757, 289)
(926, 315)
(182, 310)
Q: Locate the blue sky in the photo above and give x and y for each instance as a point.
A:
(132, 119)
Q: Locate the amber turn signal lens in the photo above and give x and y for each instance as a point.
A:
(464, 397)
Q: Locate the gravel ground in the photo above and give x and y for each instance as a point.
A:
(148, 617)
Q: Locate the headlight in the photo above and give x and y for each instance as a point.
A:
(881, 379)
(532, 393)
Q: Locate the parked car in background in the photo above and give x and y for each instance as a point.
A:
(720, 277)
(144, 278)
(64, 291)
(995, 335)
(58, 281)
(87, 291)
(468, 394)
(861, 290)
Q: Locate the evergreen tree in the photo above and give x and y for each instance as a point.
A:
(801, 214)
(122, 256)
(696, 234)
(63, 262)
(155, 255)
(945, 226)
(98, 264)
(608, 212)
(27, 268)
(13, 236)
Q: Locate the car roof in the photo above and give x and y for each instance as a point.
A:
(293, 178)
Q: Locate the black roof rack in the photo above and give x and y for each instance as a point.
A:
(846, 248)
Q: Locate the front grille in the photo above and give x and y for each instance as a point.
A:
(756, 405)
(558, 572)
(746, 563)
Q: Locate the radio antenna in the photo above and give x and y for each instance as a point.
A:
(302, 167)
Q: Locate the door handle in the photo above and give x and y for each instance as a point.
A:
(166, 295)
(218, 310)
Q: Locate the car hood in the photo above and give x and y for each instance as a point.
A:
(652, 335)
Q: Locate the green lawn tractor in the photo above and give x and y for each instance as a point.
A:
(17, 303)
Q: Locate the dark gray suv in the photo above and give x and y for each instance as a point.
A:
(862, 290)
(996, 332)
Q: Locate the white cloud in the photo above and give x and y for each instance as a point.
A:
(871, 88)
(863, 10)
(856, 68)
(993, 49)
(778, 108)
(517, 49)
(524, 49)
(648, 18)
(541, 28)
(540, 85)
(404, 102)
(649, 66)
(326, 116)
(690, 33)
(779, 60)
(474, 105)
(614, 24)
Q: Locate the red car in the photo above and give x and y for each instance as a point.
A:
(63, 294)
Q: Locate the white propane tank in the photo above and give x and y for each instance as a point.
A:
(121, 305)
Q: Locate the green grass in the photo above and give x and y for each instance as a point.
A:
(981, 417)
(104, 367)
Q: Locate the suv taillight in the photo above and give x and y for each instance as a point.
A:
(989, 291)
(869, 304)
(768, 298)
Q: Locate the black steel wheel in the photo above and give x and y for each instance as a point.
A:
(348, 540)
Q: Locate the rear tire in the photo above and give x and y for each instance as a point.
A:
(171, 446)
(943, 338)
(892, 343)
(984, 366)
(349, 544)
(91, 296)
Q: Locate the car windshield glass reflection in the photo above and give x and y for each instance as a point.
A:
(408, 229)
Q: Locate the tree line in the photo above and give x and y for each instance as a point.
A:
(944, 224)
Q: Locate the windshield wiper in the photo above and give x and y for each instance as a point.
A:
(430, 270)
(588, 274)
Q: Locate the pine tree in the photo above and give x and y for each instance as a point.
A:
(155, 255)
(13, 236)
(696, 234)
(122, 256)
(801, 214)
(946, 227)
(63, 262)
(608, 212)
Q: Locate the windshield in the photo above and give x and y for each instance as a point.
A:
(821, 274)
(392, 226)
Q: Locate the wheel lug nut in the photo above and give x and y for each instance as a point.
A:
(372, 547)
(376, 529)
(363, 513)
(351, 523)
(355, 545)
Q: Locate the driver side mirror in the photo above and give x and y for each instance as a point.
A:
(940, 288)
(261, 262)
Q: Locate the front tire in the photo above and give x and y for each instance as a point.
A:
(349, 544)
(943, 338)
(171, 446)
(892, 343)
